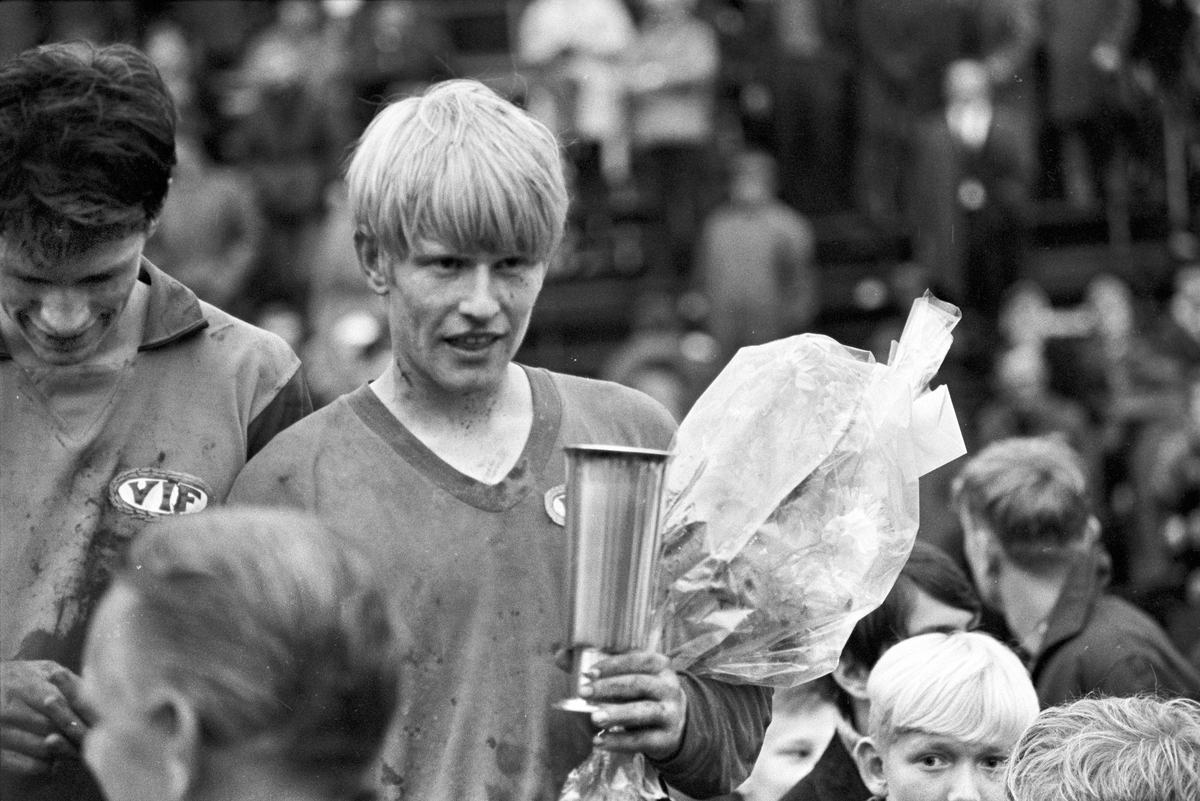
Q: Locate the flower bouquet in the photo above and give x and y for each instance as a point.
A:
(790, 504)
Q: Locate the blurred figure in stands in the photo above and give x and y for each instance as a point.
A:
(812, 77)
(291, 141)
(1025, 406)
(905, 49)
(1178, 334)
(756, 261)
(1087, 43)
(971, 189)
(573, 50)
(210, 233)
(671, 83)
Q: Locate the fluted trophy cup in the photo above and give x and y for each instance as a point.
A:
(613, 496)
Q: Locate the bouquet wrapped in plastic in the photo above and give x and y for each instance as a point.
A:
(790, 505)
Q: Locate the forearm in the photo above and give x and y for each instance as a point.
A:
(721, 738)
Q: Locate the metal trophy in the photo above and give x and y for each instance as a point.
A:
(613, 497)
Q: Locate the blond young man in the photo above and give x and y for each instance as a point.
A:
(449, 469)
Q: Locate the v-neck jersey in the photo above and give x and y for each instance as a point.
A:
(506, 493)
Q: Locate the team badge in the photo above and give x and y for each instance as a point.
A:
(556, 504)
(150, 492)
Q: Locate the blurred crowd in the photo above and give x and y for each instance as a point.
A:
(728, 133)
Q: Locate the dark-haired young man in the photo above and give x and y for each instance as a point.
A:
(123, 398)
(932, 594)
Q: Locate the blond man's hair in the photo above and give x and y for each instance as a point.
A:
(463, 167)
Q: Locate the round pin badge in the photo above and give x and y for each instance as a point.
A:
(556, 504)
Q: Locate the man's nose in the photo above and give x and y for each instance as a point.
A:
(480, 300)
(64, 313)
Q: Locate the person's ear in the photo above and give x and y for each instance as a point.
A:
(1091, 534)
(372, 262)
(152, 226)
(869, 760)
(852, 676)
(174, 719)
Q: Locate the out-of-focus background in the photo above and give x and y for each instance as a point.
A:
(744, 170)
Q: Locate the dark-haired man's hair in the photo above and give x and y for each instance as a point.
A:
(87, 145)
(1032, 494)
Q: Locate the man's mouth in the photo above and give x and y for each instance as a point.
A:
(60, 343)
(474, 342)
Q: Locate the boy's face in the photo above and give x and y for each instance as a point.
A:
(63, 312)
(457, 319)
(922, 766)
(793, 743)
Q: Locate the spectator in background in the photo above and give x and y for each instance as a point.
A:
(125, 398)
(348, 344)
(1109, 749)
(970, 183)
(291, 141)
(1165, 569)
(1178, 334)
(905, 50)
(755, 261)
(210, 232)
(574, 50)
(1004, 35)
(931, 595)
(166, 44)
(1127, 388)
(1087, 43)
(812, 76)
(394, 47)
(1030, 539)
(946, 710)
(240, 654)
(1023, 405)
(671, 75)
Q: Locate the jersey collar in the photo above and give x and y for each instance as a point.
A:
(172, 313)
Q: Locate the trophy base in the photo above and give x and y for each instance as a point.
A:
(576, 705)
(582, 659)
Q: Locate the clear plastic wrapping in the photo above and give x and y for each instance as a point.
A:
(790, 505)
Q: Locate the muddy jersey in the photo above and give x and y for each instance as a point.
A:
(477, 575)
(92, 453)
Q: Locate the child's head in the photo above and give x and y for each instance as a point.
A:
(946, 710)
(1110, 749)
(932, 593)
(460, 166)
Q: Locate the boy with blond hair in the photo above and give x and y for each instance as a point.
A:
(1110, 749)
(946, 710)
